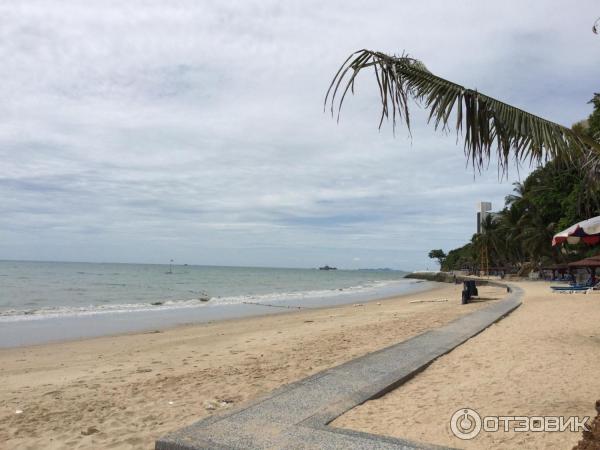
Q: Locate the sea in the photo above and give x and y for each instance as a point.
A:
(55, 301)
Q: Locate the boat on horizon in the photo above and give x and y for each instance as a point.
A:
(327, 268)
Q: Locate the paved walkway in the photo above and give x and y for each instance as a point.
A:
(295, 416)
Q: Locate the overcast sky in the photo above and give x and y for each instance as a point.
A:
(145, 131)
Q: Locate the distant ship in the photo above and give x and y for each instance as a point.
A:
(327, 268)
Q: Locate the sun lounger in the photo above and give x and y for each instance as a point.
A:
(575, 288)
(570, 288)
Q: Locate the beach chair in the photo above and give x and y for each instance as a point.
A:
(587, 286)
(569, 289)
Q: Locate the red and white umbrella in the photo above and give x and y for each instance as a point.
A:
(587, 231)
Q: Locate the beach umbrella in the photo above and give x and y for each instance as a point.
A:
(587, 231)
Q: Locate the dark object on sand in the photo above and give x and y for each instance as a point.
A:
(465, 297)
(469, 290)
(89, 431)
(327, 268)
(591, 438)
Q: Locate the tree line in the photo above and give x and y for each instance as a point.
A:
(553, 197)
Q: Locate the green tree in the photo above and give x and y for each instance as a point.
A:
(489, 125)
(546, 202)
(460, 258)
(439, 255)
(593, 122)
(552, 198)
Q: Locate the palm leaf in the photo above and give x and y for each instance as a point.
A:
(487, 124)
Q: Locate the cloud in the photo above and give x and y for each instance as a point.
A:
(194, 130)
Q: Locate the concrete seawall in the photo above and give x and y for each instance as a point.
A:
(449, 277)
(298, 415)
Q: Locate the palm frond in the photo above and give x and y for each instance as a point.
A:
(487, 124)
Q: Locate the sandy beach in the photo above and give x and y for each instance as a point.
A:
(126, 391)
(259, 216)
(543, 359)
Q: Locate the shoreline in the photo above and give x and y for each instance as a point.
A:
(38, 331)
(428, 287)
(134, 388)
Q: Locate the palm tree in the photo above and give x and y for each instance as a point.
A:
(489, 125)
(489, 239)
(517, 197)
(535, 236)
(508, 227)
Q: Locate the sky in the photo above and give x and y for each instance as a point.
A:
(145, 131)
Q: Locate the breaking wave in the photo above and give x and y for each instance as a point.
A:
(279, 298)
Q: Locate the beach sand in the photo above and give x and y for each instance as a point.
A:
(126, 391)
(543, 359)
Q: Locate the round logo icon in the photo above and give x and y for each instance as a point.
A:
(465, 423)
